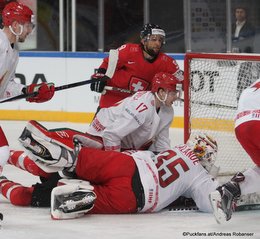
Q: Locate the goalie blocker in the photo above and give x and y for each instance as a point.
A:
(72, 199)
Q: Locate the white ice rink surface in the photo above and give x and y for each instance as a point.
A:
(35, 223)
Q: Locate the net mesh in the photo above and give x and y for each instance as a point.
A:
(214, 89)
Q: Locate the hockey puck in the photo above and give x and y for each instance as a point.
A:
(1, 217)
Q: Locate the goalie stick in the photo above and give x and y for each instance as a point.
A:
(113, 57)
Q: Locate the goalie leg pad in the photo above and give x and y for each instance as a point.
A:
(78, 182)
(71, 201)
(60, 136)
(46, 152)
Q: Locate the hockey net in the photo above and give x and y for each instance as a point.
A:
(213, 84)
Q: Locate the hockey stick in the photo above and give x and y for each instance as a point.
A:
(120, 89)
(113, 57)
(58, 88)
(211, 104)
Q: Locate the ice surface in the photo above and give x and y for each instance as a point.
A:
(35, 223)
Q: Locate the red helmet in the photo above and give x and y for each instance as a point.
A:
(15, 11)
(165, 81)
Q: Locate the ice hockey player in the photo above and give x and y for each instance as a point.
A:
(139, 122)
(136, 66)
(116, 182)
(247, 130)
(18, 24)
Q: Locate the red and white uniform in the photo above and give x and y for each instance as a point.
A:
(134, 124)
(161, 180)
(164, 178)
(4, 150)
(8, 61)
(133, 72)
(247, 121)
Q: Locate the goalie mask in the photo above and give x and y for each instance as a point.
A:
(205, 148)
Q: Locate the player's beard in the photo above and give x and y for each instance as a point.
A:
(152, 52)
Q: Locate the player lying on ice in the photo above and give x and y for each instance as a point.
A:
(121, 182)
(115, 182)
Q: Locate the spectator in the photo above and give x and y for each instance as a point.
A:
(243, 32)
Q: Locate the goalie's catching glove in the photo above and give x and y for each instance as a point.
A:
(43, 92)
(99, 85)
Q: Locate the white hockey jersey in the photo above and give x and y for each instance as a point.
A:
(8, 62)
(249, 104)
(171, 174)
(134, 124)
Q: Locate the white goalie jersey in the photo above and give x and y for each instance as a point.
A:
(8, 62)
(171, 174)
(134, 123)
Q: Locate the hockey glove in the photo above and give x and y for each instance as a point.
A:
(43, 92)
(99, 86)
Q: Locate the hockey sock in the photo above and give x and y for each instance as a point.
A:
(16, 193)
(22, 161)
(4, 150)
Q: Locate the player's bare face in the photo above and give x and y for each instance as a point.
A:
(153, 45)
(171, 97)
(27, 29)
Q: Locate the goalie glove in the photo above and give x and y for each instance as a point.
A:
(72, 200)
(41, 92)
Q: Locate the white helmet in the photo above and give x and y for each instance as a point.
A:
(205, 148)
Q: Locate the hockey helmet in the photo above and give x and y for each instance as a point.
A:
(164, 81)
(152, 29)
(205, 148)
(15, 11)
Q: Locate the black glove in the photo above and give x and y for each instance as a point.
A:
(99, 86)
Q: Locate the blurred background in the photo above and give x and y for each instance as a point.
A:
(99, 25)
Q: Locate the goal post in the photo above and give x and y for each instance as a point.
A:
(212, 86)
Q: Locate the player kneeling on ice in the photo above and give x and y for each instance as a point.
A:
(139, 122)
(129, 182)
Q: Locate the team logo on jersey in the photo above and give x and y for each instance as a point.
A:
(137, 84)
(62, 134)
